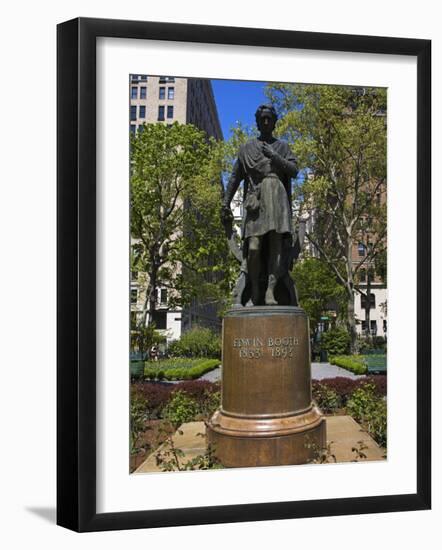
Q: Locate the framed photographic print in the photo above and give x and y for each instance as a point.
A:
(230, 202)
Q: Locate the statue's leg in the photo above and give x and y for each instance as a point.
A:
(274, 266)
(254, 266)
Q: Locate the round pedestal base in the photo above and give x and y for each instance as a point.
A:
(243, 442)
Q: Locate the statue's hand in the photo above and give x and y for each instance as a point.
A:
(268, 150)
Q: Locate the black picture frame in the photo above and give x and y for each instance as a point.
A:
(76, 274)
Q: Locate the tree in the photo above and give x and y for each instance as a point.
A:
(338, 135)
(175, 216)
(317, 288)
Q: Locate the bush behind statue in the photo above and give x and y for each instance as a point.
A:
(336, 341)
(198, 342)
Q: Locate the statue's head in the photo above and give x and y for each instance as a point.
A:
(266, 118)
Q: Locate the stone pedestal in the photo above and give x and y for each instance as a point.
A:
(267, 417)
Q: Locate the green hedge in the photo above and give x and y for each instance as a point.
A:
(179, 369)
(353, 363)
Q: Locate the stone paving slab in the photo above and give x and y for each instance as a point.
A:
(342, 432)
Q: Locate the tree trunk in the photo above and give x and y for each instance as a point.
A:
(367, 307)
(151, 301)
(351, 323)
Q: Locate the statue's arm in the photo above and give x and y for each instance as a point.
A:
(287, 162)
(235, 179)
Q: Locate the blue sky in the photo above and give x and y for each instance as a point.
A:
(237, 100)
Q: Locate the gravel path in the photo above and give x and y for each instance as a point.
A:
(319, 371)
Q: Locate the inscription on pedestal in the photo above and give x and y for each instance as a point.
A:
(278, 347)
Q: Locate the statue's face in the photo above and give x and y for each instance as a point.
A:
(266, 123)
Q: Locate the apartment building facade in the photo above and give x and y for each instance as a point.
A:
(165, 100)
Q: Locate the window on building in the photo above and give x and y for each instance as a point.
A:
(170, 111)
(133, 112)
(143, 76)
(364, 301)
(143, 90)
(165, 79)
(371, 274)
(134, 92)
(161, 112)
(373, 328)
(142, 111)
(159, 317)
(134, 275)
(132, 129)
(362, 276)
(133, 296)
(162, 92)
(361, 249)
(170, 93)
(163, 296)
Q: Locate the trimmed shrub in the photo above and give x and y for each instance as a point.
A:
(198, 342)
(335, 341)
(353, 363)
(179, 369)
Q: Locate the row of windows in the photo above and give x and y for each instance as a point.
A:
(141, 109)
(161, 110)
(141, 112)
(170, 93)
(138, 77)
(374, 326)
(143, 77)
(134, 296)
(134, 92)
(161, 93)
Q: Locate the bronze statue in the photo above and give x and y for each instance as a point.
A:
(269, 244)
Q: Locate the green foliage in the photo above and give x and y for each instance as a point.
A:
(339, 137)
(370, 410)
(138, 417)
(377, 345)
(353, 363)
(170, 458)
(179, 369)
(142, 337)
(317, 286)
(326, 398)
(175, 215)
(335, 341)
(210, 403)
(180, 409)
(198, 342)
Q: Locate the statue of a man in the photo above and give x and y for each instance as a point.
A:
(265, 165)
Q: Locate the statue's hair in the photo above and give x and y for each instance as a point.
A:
(266, 107)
